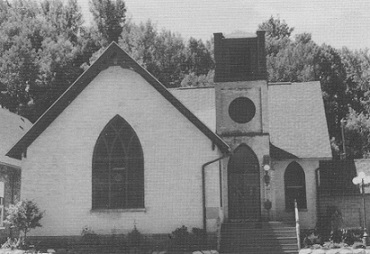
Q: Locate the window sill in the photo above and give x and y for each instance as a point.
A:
(128, 210)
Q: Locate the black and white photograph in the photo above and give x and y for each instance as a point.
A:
(184, 127)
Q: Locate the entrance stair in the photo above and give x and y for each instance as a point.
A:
(258, 237)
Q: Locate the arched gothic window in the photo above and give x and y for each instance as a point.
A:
(118, 168)
(295, 186)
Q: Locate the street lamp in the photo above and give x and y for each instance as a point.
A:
(266, 167)
(362, 180)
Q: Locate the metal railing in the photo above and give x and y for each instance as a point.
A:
(297, 227)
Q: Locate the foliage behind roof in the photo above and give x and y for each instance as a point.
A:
(113, 55)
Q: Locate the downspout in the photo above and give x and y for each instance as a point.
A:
(204, 187)
(318, 207)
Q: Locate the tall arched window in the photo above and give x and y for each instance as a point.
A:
(295, 186)
(118, 168)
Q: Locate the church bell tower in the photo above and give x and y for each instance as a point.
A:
(242, 121)
(241, 86)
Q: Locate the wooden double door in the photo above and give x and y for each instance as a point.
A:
(244, 196)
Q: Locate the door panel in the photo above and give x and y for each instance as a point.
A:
(244, 188)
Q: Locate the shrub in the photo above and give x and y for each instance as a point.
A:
(11, 243)
(351, 236)
(330, 224)
(24, 216)
(135, 238)
(180, 239)
(89, 236)
(309, 237)
(183, 241)
(199, 239)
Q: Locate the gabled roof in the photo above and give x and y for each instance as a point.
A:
(12, 128)
(113, 55)
(297, 122)
(297, 119)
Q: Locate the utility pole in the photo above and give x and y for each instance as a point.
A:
(344, 154)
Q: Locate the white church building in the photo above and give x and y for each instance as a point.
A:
(118, 149)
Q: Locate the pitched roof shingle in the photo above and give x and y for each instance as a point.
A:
(296, 116)
(297, 119)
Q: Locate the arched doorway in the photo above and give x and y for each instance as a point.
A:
(295, 187)
(244, 185)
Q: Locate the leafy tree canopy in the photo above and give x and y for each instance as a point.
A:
(110, 17)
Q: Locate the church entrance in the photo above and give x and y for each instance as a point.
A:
(244, 185)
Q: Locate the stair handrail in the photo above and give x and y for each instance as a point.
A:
(297, 227)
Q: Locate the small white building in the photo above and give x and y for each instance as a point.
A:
(118, 149)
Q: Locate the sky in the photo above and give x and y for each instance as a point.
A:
(334, 22)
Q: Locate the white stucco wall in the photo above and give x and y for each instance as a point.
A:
(278, 211)
(57, 170)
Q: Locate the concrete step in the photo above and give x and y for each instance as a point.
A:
(262, 252)
(258, 232)
(268, 237)
(259, 251)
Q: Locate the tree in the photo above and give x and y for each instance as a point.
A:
(193, 80)
(357, 135)
(294, 62)
(18, 67)
(199, 64)
(162, 53)
(65, 19)
(276, 28)
(198, 58)
(288, 60)
(41, 53)
(330, 71)
(24, 216)
(110, 17)
(277, 35)
(302, 60)
(357, 66)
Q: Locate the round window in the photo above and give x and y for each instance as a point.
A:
(242, 110)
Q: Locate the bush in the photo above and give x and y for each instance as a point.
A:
(183, 241)
(88, 236)
(24, 216)
(180, 240)
(338, 239)
(11, 244)
(309, 237)
(135, 239)
(199, 239)
(329, 224)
